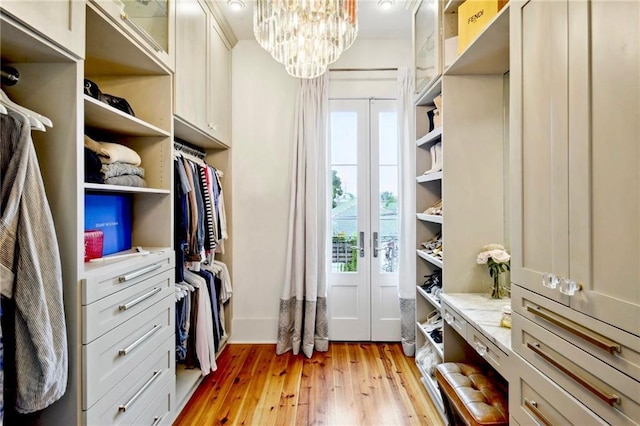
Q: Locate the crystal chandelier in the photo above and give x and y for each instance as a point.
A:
(305, 35)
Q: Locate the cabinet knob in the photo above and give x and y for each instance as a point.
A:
(569, 287)
(550, 280)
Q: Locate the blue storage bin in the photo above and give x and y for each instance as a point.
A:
(111, 214)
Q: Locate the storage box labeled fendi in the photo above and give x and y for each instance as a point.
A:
(473, 17)
(111, 214)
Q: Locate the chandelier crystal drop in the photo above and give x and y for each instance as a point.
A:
(305, 35)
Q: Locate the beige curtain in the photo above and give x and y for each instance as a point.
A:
(303, 304)
(407, 179)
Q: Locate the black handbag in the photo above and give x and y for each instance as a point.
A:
(92, 89)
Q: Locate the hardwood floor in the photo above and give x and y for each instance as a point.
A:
(351, 384)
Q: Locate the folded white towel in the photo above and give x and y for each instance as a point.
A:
(112, 152)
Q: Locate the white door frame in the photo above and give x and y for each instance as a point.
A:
(363, 305)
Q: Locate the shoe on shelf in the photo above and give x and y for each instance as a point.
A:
(436, 158)
(435, 209)
(436, 335)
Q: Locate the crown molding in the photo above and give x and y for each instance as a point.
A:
(223, 24)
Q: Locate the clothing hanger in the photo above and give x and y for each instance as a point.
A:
(36, 120)
(3, 110)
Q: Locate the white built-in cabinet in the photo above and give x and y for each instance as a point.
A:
(576, 209)
(203, 76)
(60, 21)
(192, 26)
(219, 101)
(120, 314)
(149, 24)
(576, 144)
(474, 139)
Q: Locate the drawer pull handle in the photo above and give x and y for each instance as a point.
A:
(123, 408)
(533, 406)
(588, 335)
(609, 399)
(157, 420)
(137, 343)
(449, 318)
(139, 272)
(140, 299)
(481, 349)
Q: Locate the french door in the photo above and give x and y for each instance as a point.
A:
(363, 275)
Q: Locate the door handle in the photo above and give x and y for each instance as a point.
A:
(375, 244)
(361, 244)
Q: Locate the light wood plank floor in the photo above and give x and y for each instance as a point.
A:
(351, 384)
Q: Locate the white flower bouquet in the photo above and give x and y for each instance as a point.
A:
(497, 260)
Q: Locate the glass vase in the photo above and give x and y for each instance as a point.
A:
(498, 288)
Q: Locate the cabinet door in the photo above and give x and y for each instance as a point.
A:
(539, 127)
(191, 85)
(61, 21)
(219, 123)
(604, 150)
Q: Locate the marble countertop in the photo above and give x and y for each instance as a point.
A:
(483, 313)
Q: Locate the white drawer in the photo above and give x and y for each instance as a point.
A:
(108, 313)
(488, 350)
(133, 396)
(593, 336)
(103, 280)
(111, 358)
(534, 399)
(455, 320)
(160, 412)
(585, 377)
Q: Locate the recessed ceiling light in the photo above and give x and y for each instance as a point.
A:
(235, 4)
(386, 4)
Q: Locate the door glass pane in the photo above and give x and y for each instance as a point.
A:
(152, 17)
(388, 171)
(344, 181)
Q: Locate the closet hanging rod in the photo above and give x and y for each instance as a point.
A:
(9, 76)
(188, 150)
(363, 69)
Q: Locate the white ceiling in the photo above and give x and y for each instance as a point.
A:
(373, 22)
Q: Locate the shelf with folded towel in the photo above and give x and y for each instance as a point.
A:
(433, 218)
(120, 188)
(430, 258)
(432, 136)
(99, 115)
(430, 177)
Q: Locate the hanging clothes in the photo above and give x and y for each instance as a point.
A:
(30, 271)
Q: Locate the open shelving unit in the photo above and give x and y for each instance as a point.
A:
(432, 388)
(433, 218)
(474, 140)
(429, 177)
(488, 54)
(99, 115)
(429, 297)
(437, 346)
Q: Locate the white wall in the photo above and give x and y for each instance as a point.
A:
(263, 102)
(263, 106)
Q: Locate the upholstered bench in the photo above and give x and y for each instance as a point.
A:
(471, 397)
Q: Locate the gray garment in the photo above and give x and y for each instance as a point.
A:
(119, 169)
(127, 180)
(34, 268)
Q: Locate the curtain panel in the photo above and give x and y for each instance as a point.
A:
(303, 323)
